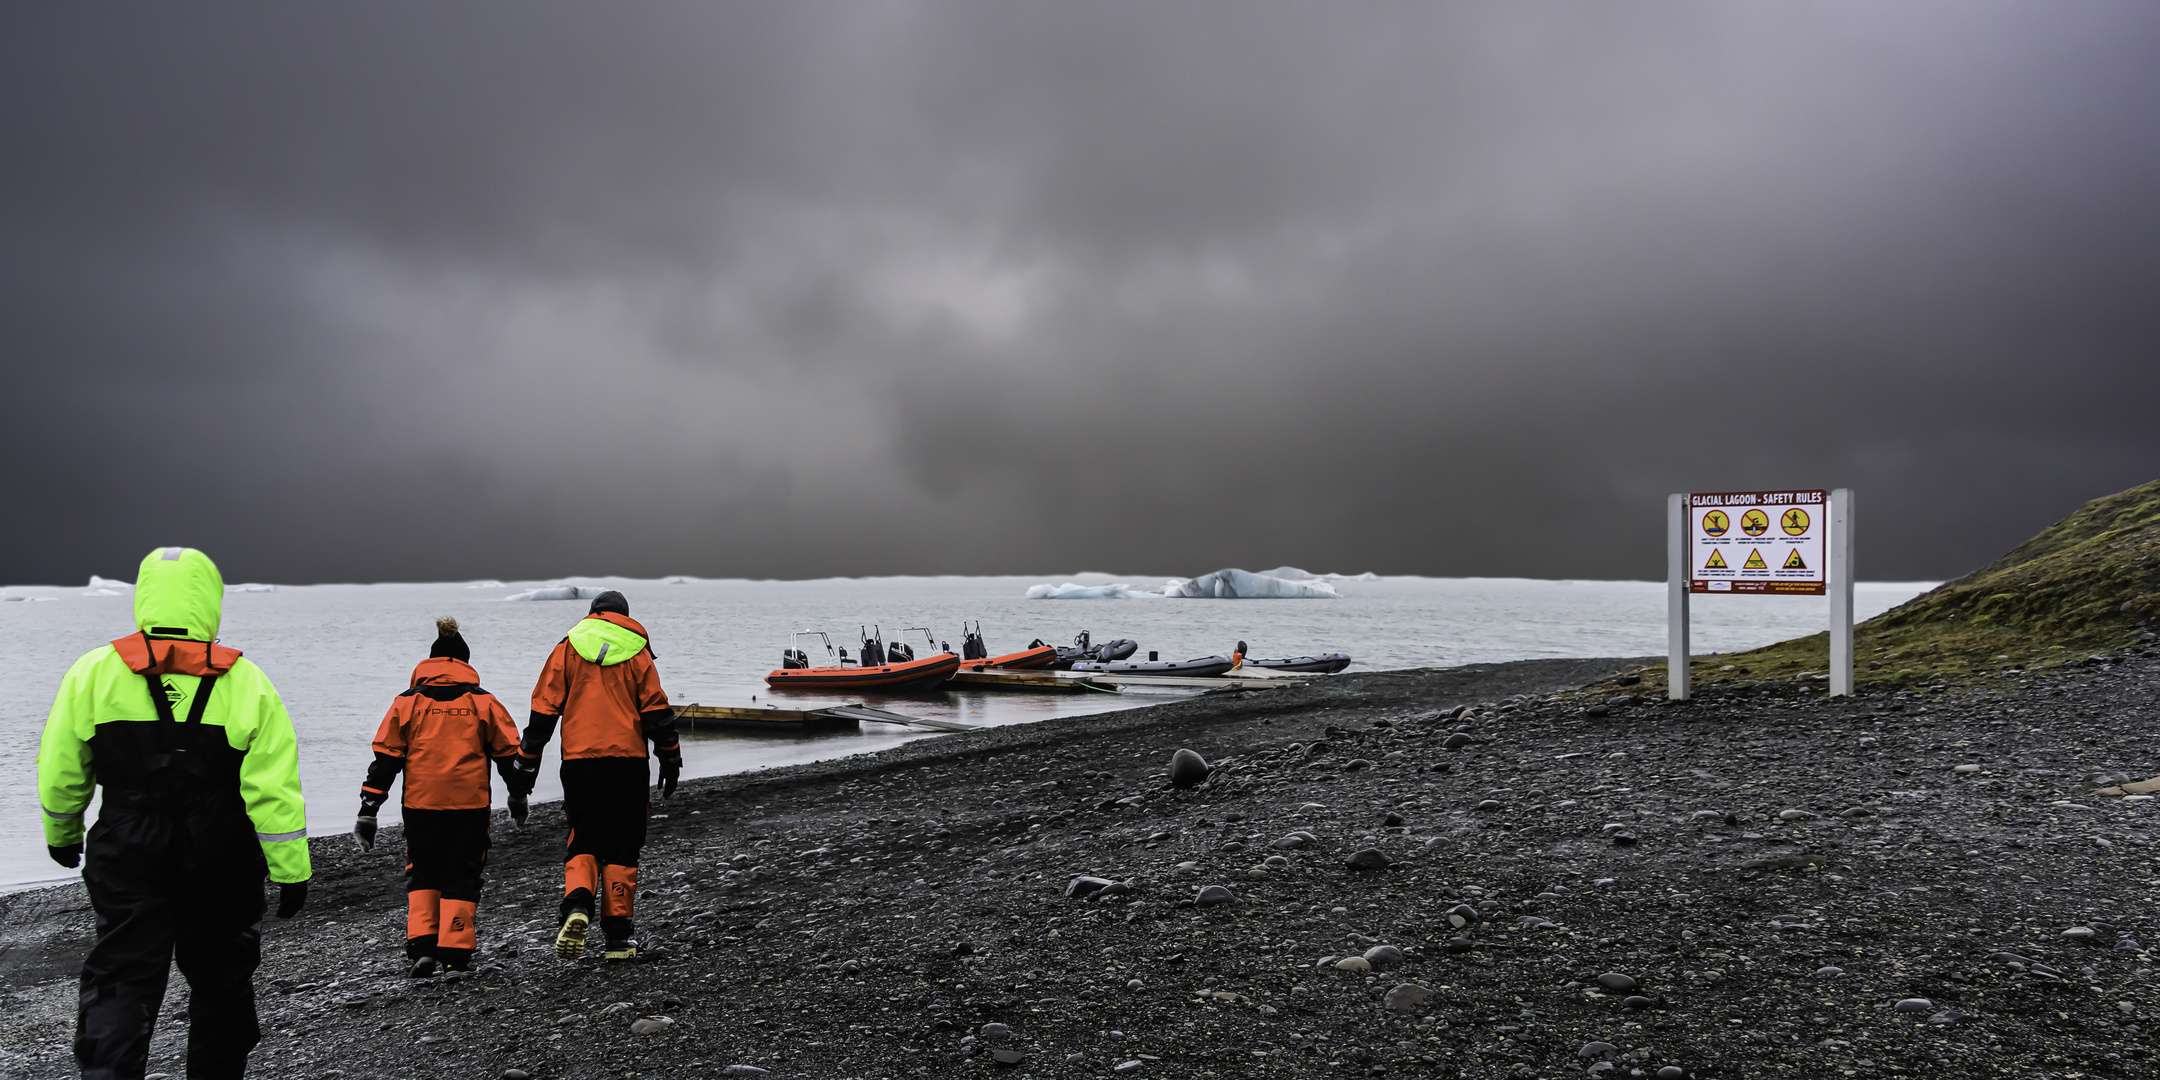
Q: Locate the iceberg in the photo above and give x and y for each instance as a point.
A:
(104, 592)
(97, 582)
(484, 583)
(1246, 585)
(1071, 591)
(559, 592)
(1292, 573)
(251, 587)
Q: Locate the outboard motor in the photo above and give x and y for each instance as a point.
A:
(794, 658)
(899, 652)
(873, 653)
(971, 646)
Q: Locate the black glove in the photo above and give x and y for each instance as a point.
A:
(69, 856)
(364, 825)
(670, 774)
(522, 776)
(518, 808)
(290, 896)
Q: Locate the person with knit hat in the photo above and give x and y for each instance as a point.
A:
(440, 735)
(601, 687)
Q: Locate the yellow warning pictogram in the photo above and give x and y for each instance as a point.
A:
(1794, 522)
(1754, 523)
(1717, 562)
(1793, 560)
(1755, 561)
(1715, 523)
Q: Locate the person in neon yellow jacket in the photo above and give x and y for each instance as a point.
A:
(201, 773)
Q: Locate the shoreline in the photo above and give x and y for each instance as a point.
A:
(869, 915)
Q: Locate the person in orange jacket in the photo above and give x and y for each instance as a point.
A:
(440, 734)
(601, 686)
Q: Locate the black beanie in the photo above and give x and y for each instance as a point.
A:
(448, 642)
(611, 601)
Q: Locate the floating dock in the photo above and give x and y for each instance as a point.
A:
(801, 721)
(1037, 681)
(1074, 682)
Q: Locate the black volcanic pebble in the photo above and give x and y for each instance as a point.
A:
(1462, 916)
(1213, 896)
(1187, 769)
(1370, 859)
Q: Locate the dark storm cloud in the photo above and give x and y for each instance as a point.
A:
(508, 290)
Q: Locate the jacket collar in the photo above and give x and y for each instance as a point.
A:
(444, 671)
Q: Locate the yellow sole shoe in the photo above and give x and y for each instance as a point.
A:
(570, 943)
(624, 951)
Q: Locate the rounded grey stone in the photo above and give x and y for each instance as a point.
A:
(1085, 886)
(1406, 998)
(1214, 895)
(1187, 769)
(1613, 980)
(1384, 957)
(1596, 1050)
(1462, 916)
(1914, 1005)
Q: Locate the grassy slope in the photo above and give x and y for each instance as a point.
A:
(2086, 583)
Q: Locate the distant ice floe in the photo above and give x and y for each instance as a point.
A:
(28, 599)
(1292, 573)
(678, 579)
(252, 587)
(484, 583)
(559, 592)
(1246, 585)
(105, 586)
(1220, 585)
(1071, 591)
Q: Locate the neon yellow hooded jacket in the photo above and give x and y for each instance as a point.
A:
(179, 596)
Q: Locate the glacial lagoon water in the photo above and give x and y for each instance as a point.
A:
(339, 653)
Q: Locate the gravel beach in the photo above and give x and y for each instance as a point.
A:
(1514, 870)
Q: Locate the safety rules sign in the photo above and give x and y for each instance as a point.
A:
(1758, 542)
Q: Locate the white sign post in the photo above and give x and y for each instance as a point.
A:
(1792, 543)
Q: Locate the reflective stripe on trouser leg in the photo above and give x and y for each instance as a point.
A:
(459, 924)
(621, 896)
(423, 909)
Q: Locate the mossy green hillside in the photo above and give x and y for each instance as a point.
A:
(2088, 583)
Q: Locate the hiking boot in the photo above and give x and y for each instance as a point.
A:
(570, 942)
(626, 949)
(422, 967)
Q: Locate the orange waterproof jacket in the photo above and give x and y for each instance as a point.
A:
(601, 685)
(441, 733)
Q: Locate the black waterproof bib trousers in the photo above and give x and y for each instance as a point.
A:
(174, 873)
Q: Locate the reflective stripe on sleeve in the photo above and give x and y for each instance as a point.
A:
(274, 837)
(57, 815)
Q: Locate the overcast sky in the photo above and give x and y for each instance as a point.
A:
(425, 291)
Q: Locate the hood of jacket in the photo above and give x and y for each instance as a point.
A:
(179, 594)
(607, 639)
